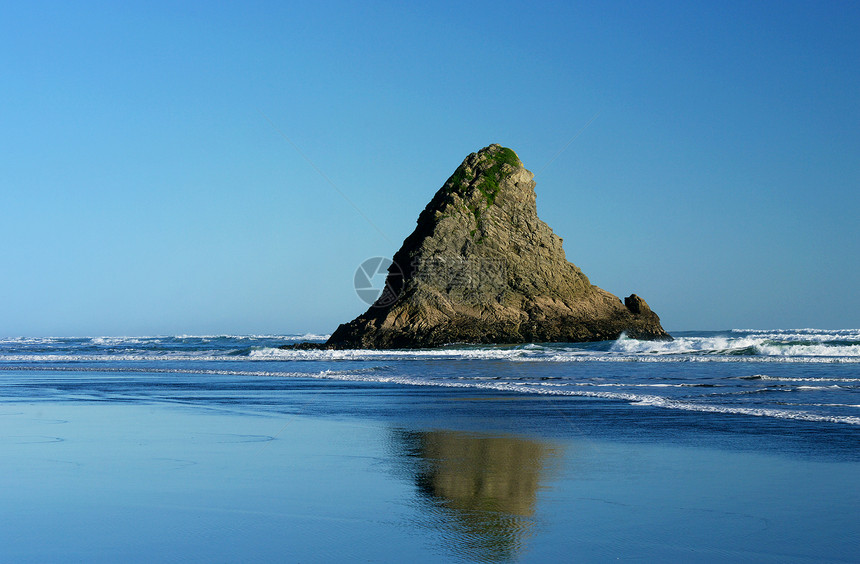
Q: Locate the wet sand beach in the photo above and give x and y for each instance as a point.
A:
(455, 474)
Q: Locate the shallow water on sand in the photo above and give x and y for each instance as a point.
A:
(143, 465)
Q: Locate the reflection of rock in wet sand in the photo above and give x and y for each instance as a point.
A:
(483, 488)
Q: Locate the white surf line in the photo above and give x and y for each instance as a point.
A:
(522, 388)
(634, 399)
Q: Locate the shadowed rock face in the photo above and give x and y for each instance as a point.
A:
(481, 267)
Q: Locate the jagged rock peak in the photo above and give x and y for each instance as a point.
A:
(481, 267)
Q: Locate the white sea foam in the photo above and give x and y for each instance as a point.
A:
(23, 340)
(118, 340)
(805, 332)
(264, 355)
(209, 338)
(807, 350)
(543, 388)
(634, 399)
(289, 338)
(307, 337)
(794, 343)
(101, 358)
(157, 339)
(806, 337)
(394, 354)
(798, 379)
(682, 345)
(754, 411)
(782, 346)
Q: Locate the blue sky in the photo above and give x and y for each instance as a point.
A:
(145, 191)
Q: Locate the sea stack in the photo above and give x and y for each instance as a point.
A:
(481, 267)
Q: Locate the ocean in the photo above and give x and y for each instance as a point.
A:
(802, 375)
(228, 447)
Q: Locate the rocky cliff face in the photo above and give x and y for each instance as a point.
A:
(481, 267)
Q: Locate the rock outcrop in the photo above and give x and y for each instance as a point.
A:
(481, 267)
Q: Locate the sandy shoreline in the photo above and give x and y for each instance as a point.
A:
(143, 480)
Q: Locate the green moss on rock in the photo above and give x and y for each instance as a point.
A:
(504, 161)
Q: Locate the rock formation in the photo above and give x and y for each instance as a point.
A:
(481, 267)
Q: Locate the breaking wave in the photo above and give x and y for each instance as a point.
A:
(781, 346)
(802, 374)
